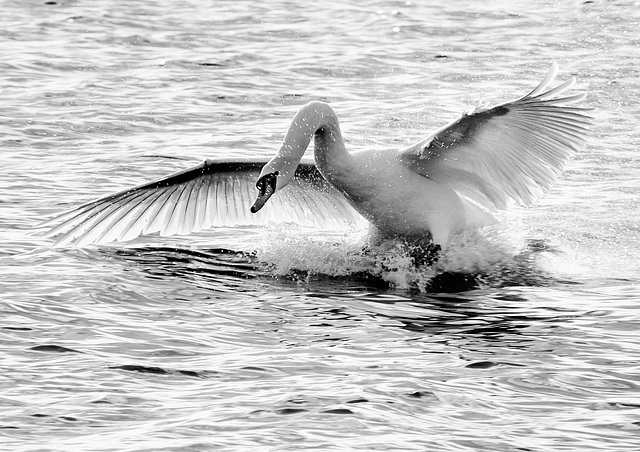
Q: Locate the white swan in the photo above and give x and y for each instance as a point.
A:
(446, 183)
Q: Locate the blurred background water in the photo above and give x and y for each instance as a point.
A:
(179, 344)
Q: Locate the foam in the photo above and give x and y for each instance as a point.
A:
(492, 256)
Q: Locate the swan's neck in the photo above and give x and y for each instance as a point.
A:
(316, 119)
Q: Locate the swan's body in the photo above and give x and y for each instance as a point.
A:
(443, 184)
(394, 198)
(389, 194)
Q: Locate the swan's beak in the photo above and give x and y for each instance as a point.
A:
(266, 186)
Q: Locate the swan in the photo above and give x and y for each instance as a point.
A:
(449, 182)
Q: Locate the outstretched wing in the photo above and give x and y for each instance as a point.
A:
(514, 150)
(214, 193)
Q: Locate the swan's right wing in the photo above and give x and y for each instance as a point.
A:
(214, 193)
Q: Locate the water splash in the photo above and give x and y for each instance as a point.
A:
(492, 257)
(290, 250)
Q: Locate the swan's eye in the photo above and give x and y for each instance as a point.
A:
(263, 183)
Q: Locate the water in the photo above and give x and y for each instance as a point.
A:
(177, 344)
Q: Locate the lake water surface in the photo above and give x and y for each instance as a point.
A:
(292, 339)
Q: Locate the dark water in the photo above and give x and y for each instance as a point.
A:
(295, 339)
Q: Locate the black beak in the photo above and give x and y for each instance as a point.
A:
(266, 186)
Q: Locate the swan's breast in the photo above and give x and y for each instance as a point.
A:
(398, 200)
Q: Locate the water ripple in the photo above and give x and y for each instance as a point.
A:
(275, 340)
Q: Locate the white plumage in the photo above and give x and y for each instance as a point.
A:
(441, 185)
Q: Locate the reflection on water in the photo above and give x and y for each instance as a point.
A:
(464, 314)
(377, 268)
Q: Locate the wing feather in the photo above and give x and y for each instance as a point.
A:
(214, 193)
(159, 213)
(200, 221)
(170, 223)
(509, 152)
(190, 209)
(113, 225)
(551, 74)
(210, 210)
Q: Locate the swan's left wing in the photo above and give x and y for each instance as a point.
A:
(514, 150)
(214, 193)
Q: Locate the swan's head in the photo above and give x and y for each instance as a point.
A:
(277, 173)
(266, 186)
